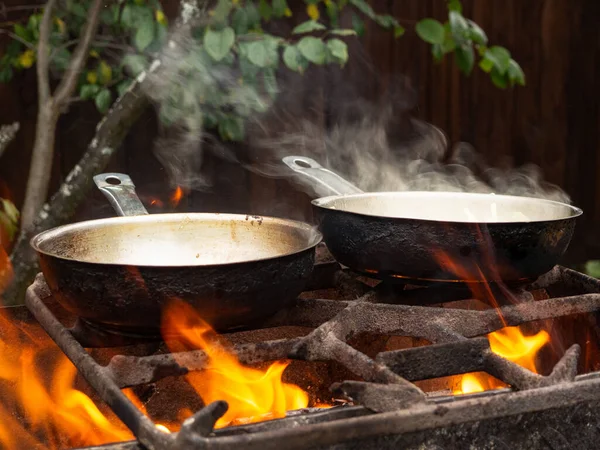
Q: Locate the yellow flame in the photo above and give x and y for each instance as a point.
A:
(252, 394)
(511, 344)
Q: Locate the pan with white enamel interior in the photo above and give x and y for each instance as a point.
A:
(432, 237)
(119, 272)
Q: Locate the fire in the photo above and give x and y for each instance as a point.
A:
(177, 196)
(6, 272)
(511, 344)
(253, 394)
(55, 412)
(518, 348)
(508, 342)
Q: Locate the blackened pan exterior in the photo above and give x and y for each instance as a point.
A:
(424, 251)
(130, 298)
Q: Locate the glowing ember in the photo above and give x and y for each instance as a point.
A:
(253, 395)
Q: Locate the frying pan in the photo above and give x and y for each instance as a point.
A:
(430, 237)
(118, 273)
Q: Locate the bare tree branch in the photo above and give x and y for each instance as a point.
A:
(50, 107)
(29, 45)
(43, 52)
(109, 134)
(69, 82)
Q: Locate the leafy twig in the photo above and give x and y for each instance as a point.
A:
(69, 82)
(29, 45)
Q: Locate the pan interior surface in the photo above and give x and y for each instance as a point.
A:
(201, 239)
(451, 207)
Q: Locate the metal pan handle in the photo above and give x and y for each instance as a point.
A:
(120, 192)
(318, 177)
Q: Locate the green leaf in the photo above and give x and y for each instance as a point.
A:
(262, 53)
(339, 50)
(135, 64)
(455, 5)
(239, 21)
(385, 21)
(145, 32)
(294, 60)
(343, 32)
(448, 45)
(127, 17)
(515, 73)
(358, 25)
(61, 59)
(23, 32)
(592, 268)
(218, 43)
(333, 13)
(231, 129)
(476, 34)
(313, 49)
(279, 7)
(103, 100)
(270, 83)
(123, 86)
(486, 65)
(436, 51)
(459, 26)
(399, 31)
(364, 8)
(88, 91)
(430, 30)
(498, 78)
(222, 10)
(248, 69)
(9, 218)
(11, 210)
(265, 10)
(308, 26)
(14, 48)
(77, 9)
(465, 59)
(500, 57)
(252, 15)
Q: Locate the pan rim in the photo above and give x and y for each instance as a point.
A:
(322, 203)
(316, 237)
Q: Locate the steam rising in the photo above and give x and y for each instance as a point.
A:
(376, 146)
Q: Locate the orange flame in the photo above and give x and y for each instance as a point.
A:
(511, 344)
(253, 395)
(57, 415)
(508, 342)
(177, 196)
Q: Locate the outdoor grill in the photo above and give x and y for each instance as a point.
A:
(351, 322)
